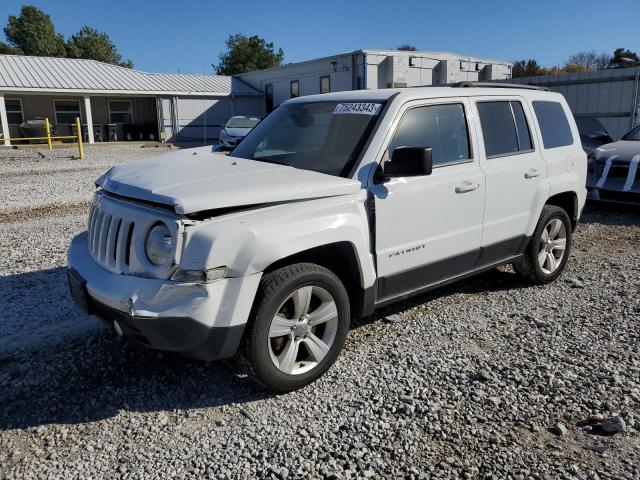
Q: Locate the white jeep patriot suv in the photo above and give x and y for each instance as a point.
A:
(332, 206)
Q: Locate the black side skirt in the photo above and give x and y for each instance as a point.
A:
(427, 277)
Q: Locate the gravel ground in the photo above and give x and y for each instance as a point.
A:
(33, 178)
(488, 378)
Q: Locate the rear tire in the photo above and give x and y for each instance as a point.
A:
(548, 250)
(299, 323)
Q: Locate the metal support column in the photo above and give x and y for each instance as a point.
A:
(5, 122)
(89, 117)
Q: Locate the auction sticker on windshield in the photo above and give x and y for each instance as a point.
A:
(357, 108)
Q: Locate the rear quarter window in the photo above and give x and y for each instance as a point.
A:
(553, 123)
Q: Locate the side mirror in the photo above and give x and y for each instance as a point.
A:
(600, 135)
(408, 162)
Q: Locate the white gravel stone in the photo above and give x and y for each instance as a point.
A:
(466, 385)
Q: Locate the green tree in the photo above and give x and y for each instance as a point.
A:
(407, 47)
(7, 49)
(527, 68)
(93, 45)
(624, 58)
(245, 54)
(33, 33)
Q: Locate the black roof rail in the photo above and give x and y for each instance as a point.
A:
(498, 85)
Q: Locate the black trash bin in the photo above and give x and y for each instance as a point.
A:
(74, 132)
(149, 131)
(98, 133)
(128, 132)
(34, 128)
(112, 132)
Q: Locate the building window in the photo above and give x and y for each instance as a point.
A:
(295, 88)
(268, 97)
(67, 111)
(14, 111)
(325, 84)
(120, 111)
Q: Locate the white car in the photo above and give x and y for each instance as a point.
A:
(613, 170)
(235, 130)
(332, 206)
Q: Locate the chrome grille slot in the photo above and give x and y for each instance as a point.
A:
(107, 245)
(95, 233)
(104, 232)
(112, 245)
(126, 234)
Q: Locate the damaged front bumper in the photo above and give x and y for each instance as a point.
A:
(200, 320)
(612, 181)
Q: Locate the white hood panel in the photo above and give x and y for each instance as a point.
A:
(624, 150)
(193, 180)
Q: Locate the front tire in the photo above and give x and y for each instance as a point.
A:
(299, 324)
(548, 251)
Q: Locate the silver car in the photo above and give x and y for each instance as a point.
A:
(235, 130)
(613, 170)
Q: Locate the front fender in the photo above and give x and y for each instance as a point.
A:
(248, 242)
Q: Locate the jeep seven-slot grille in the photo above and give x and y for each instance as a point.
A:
(109, 239)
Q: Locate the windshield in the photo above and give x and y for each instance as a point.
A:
(325, 137)
(242, 122)
(633, 134)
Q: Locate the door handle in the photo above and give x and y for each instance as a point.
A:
(533, 173)
(467, 187)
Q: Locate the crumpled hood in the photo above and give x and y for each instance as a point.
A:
(194, 180)
(624, 150)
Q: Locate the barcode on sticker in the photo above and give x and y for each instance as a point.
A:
(357, 108)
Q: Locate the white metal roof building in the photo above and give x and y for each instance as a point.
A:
(139, 104)
(23, 73)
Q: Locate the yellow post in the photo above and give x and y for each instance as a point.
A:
(48, 130)
(79, 131)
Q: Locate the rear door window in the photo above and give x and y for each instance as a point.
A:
(504, 128)
(553, 123)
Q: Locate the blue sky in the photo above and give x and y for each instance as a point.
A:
(187, 35)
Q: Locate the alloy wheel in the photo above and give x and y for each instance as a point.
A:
(303, 330)
(553, 244)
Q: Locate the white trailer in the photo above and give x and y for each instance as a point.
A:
(371, 69)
